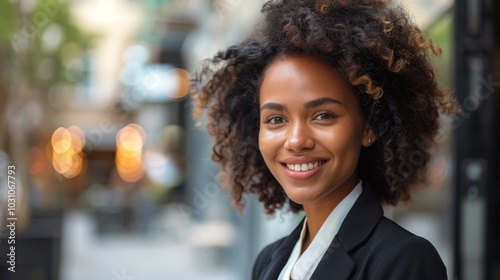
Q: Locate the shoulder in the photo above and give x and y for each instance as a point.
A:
(404, 255)
(264, 258)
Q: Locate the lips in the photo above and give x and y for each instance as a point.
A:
(301, 168)
(305, 166)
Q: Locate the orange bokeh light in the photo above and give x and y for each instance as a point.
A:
(129, 143)
(183, 77)
(67, 146)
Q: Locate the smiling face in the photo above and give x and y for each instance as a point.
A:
(311, 129)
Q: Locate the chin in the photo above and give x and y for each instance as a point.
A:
(303, 198)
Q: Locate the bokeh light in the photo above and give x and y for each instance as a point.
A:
(182, 76)
(129, 159)
(67, 147)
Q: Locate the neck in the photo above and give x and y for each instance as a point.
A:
(318, 212)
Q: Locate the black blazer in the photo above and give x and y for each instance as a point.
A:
(367, 246)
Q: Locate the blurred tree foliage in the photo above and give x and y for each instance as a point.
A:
(441, 32)
(40, 45)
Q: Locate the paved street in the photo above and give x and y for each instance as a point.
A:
(132, 257)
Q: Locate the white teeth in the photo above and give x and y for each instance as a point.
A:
(304, 166)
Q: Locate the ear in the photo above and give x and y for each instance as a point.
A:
(369, 137)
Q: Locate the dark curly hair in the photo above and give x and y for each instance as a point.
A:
(377, 50)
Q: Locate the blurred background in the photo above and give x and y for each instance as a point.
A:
(113, 181)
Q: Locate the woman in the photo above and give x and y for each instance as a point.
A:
(322, 110)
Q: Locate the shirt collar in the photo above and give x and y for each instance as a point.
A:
(299, 265)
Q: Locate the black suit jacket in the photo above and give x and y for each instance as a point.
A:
(367, 246)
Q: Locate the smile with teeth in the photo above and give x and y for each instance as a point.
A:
(305, 166)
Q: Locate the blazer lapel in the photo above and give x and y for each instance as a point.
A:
(358, 224)
(336, 263)
(361, 220)
(282, 253)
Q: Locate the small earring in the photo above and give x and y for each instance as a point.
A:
(369, 141)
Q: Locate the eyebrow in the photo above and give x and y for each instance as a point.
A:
(321, 101)
(273, 106)
(308, 105)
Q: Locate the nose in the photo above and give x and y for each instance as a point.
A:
(299, 137)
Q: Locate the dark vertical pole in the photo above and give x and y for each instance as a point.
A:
(493, 218)
(476, 144)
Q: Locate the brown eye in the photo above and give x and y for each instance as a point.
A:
(275, 120)
(324, 116)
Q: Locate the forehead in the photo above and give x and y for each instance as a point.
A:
(306, 78)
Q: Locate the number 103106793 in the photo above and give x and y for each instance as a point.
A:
(11, 193)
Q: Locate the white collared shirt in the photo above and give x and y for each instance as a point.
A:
(302, 266)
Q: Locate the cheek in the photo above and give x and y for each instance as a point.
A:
(348, 149)
(269, 143)
(342, 140)
(263, 143)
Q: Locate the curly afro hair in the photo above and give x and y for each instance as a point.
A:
(374, 46)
